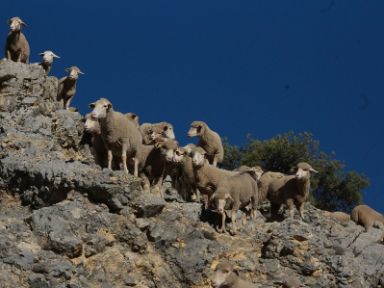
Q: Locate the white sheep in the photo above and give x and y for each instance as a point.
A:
(67, 86)
(120, 135)
(291, 190)
(209, 140)
(47, 60)
(17, 46)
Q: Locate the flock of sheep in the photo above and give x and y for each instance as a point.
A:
(150, 151)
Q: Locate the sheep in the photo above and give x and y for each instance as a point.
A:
(226, 276)
(366, 216)
(257, 170)
(153, 161)
(99, 150)
(236, 192)
(17, 47)
(47, 61)
(207, 176)
(67, 86)
(120, 136)
(209, 140)
(134, 118)
(152, 131)
(338, 215)
(185, 184)
(287, 189)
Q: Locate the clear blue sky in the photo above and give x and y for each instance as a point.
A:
(258, 67)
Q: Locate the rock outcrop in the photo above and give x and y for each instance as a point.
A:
(64, 222)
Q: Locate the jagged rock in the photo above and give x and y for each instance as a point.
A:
(65, 222)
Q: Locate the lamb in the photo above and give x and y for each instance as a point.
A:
(338, 215)
(67, 86)
(151, 132)
(99, 150)
(226, 276)
(17, 46)
(134, 118)
(236, 192)
(48, 57)
(186, 182)
(207, 176)
(209, 140)
(287, 189)
(120, 136)
(366, 216)
(153, 161)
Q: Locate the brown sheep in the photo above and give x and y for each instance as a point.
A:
(366, 216)
(153, 161)
(120, 136)
(291, 190)
(226, 276)
(17, 46)
(209, 140)
(236, 192)
(207, 176)
(67, 86)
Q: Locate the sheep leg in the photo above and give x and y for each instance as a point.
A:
(301, 210)
(214, 161)
(136, 166)
(124, 149)
(234, 221)
(290, 208)
(67, 103)
(8, 56)
(146, 183)
(110, 156)
(222, 229)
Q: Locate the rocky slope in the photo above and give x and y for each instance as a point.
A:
(64, 222)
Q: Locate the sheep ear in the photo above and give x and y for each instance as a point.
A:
(158, 145)
(81, 72)
(55, 56)
(23, 23)
(66, 69)
(313, 170)
(109, 106)
(41, 54)
(92, 105)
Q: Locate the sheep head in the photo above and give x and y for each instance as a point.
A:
(198, 156)
(48, 56)
(303, 170)
(73, 72)
(163, 129)
(91, 124)
(196, 129)
(100, 108)
(167, 148)
(179, 154)
(222, 275)
(15, 24)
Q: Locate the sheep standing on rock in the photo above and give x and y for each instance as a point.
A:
(17, 47)
(120, 136)
(226, 276)
(235, 192)
(47, 61)
(98, 149)
(291, 190)
(207, 176)
(209, 140)
(185, 184)
(153, 163)
(67, 86)
(366, 216)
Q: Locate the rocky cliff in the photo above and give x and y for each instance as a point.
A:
(64, 222)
